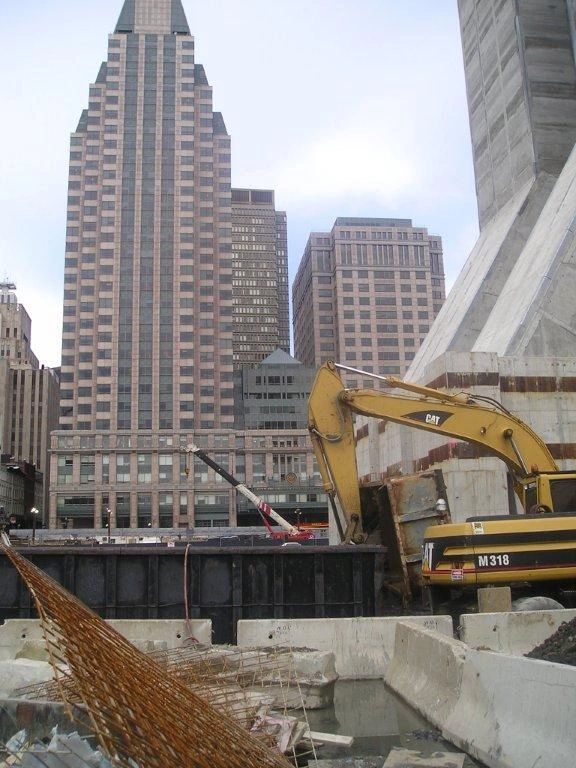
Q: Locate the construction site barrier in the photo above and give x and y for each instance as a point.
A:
(362, 647)
(506, 711)
(516, 632)
(150, 634)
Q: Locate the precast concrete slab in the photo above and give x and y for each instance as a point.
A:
(362, 647)
(20, 673)
(408, 758)
(147, 634)
(515, 633)
(507, 711)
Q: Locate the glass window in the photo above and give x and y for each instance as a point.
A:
(165, 468)
(144, 468)
(65, 468)
(123, 467)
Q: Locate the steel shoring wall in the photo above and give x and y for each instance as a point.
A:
(140, 715)
(221, 585)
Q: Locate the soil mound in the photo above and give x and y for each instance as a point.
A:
(560, 647)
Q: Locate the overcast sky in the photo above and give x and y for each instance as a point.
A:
(343, 108)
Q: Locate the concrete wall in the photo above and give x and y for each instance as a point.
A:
(520, 83)
(539, 390)
(362, 647)
(506, 711)
(516, 633)
(170, 633)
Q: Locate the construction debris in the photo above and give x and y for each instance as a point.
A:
(62, 751)
(559, 647)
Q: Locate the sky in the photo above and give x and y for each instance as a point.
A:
(343, 108)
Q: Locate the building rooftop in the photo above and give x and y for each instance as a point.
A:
(153, 16)
(279, 357)
(352, 221)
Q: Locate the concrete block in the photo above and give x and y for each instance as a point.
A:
(33, 649)
(362, 647)
(507, 711)
(513, 633)
(426, 670)
(147, 634)
(19, 673)
(314, 679)
(494, 599)
(408, 758)
(351, 762)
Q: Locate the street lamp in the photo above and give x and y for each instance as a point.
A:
(108, 522)
(34, 512)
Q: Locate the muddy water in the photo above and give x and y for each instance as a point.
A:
(378, 720)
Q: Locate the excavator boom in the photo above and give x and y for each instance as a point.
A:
(462, 416)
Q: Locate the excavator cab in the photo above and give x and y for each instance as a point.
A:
(550, 492)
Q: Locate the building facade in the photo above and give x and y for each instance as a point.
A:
(151, 326)
(366, 293)
(28, 412)
(272, 408)
(148, 313)
(260, 283)
(15, 328)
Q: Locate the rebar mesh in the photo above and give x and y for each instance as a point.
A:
(145, 711)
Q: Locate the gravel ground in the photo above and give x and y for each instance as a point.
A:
(560, 647)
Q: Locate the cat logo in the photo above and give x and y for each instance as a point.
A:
(433, 418)
(427, 556)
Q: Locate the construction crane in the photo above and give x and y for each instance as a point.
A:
(289, 532)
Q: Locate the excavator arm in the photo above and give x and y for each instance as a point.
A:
(476, 420)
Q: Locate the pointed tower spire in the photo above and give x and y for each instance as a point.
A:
(153, 16)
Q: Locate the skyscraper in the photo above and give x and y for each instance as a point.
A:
(366, 293)
(147, 329)
(260, 254)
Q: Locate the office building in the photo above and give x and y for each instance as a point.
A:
(15, 328)
(153, 324)
(260, 283)
(366, 293)
(147, 332)
(272, 416)
(28, 413)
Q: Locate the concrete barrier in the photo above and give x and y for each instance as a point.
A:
(514, 633)
(19, 634)
(507, 711)
(362, 646)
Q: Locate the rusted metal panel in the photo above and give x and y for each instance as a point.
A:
(412, 501)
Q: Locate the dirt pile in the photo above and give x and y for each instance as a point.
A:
(560, 647)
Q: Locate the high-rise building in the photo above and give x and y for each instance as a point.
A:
(148, 311)
(28, 413)
(260, 261)
(15, 328)
(366, 293)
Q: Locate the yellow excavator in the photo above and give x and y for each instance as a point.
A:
(535, 550)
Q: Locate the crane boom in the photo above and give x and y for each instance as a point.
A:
(261, 505)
